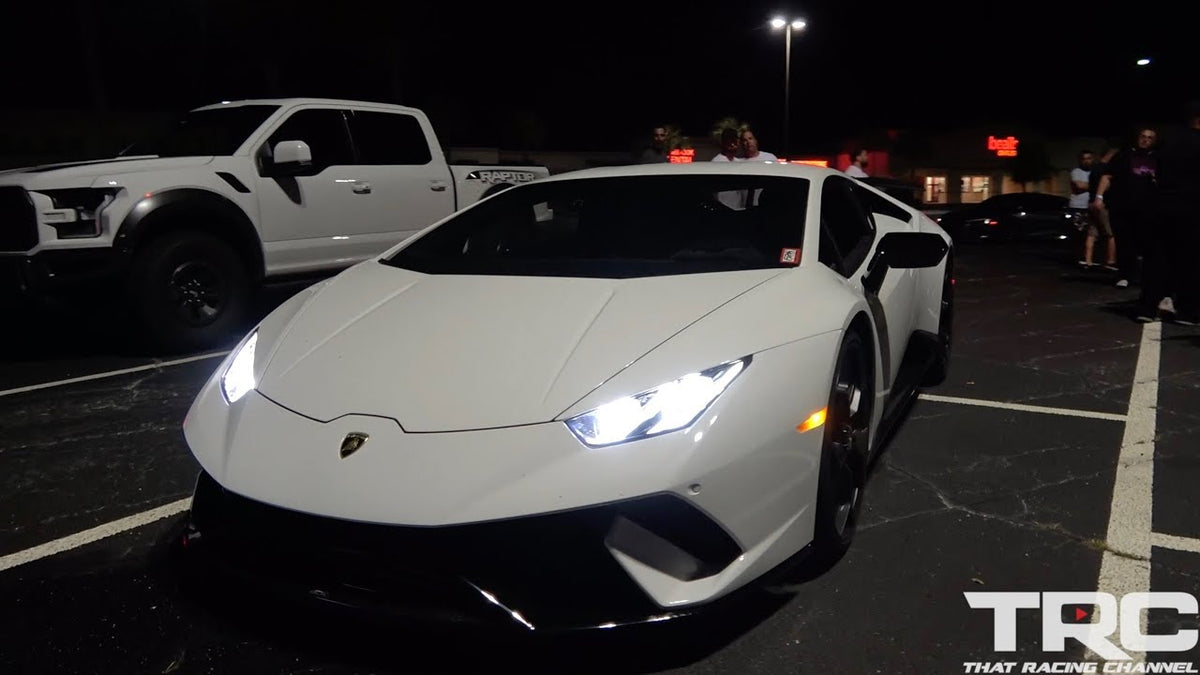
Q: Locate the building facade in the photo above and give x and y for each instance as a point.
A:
(962, 167)
(968, 167)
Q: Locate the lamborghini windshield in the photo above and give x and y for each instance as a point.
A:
(621, 227)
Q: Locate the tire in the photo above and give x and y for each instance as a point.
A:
(844, 451)
(189, 290)
(940, 367)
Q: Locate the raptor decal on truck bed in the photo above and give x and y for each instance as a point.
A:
(501, 176)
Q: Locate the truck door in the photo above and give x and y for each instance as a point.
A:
(411, 186)
(318, 219)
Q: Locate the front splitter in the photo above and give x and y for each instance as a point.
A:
(548, 572)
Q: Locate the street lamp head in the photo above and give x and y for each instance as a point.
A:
(798, 24)
(1143, 62)
(778, 23)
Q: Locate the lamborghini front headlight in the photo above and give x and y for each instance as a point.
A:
(238, 379)
(668, 407)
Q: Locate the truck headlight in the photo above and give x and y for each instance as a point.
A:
(668, 407)
(76, 212)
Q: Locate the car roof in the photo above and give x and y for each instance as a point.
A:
(702, 168)
(293, 102)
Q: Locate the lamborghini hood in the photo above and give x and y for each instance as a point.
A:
(452, 353)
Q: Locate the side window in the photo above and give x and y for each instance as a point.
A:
(389, 138)
(874, 205)
(849, 229)
(827, 253)
(324, 130)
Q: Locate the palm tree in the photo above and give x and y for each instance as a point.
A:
(1032, 163)
(725, 123)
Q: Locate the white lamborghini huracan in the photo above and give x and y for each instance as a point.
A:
(606, 397)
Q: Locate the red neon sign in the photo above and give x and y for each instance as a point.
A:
(681, 156)
(1004, 147)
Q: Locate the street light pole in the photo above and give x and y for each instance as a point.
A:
(787, 90)
(788, 26)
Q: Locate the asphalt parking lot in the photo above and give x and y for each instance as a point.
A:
(1062, 454)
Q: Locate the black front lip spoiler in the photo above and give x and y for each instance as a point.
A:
(454, 607)
(549, 573)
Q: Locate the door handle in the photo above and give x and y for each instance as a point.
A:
(361, 188)
(437, 185)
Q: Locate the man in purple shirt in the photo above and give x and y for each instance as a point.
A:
(1127, 190)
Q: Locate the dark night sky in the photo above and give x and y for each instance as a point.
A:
(597, 75)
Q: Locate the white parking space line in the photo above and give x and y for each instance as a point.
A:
(95, 534)
(1021, 407)
(112, 373)
(1173, 542)
(1125, 567)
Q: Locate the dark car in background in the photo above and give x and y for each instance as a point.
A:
(907, 192)
(1019, 216)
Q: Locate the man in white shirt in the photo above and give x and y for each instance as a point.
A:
(734, 199)
(1092, 223)
(1080, 177)
(729, 147)
(750, 151)
(858, 164)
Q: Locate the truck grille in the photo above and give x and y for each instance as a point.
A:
(18, 220)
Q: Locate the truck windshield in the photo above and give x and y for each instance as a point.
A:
(621, 227)
(215, 131)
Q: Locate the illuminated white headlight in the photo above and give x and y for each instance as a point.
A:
(239, 377)
(663, 409)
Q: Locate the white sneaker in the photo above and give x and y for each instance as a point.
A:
(1122, 283)
(1167, 305)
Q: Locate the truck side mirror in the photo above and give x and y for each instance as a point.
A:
(291, 158)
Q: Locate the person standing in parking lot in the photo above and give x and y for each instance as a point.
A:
(750, 149)
(1098, 224)
(1078, 202)
(657, 150)
(1126, 190)
(1174, 229)
(1080, 192)
(730, 147)
(751, 153)
(858, 164)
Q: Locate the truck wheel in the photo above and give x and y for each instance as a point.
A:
(190, 290)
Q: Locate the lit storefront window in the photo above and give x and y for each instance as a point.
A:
(976, 189)
(935, 189)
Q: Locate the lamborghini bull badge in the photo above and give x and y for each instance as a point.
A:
(352, 442)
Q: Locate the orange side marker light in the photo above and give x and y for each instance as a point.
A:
(815, 420)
